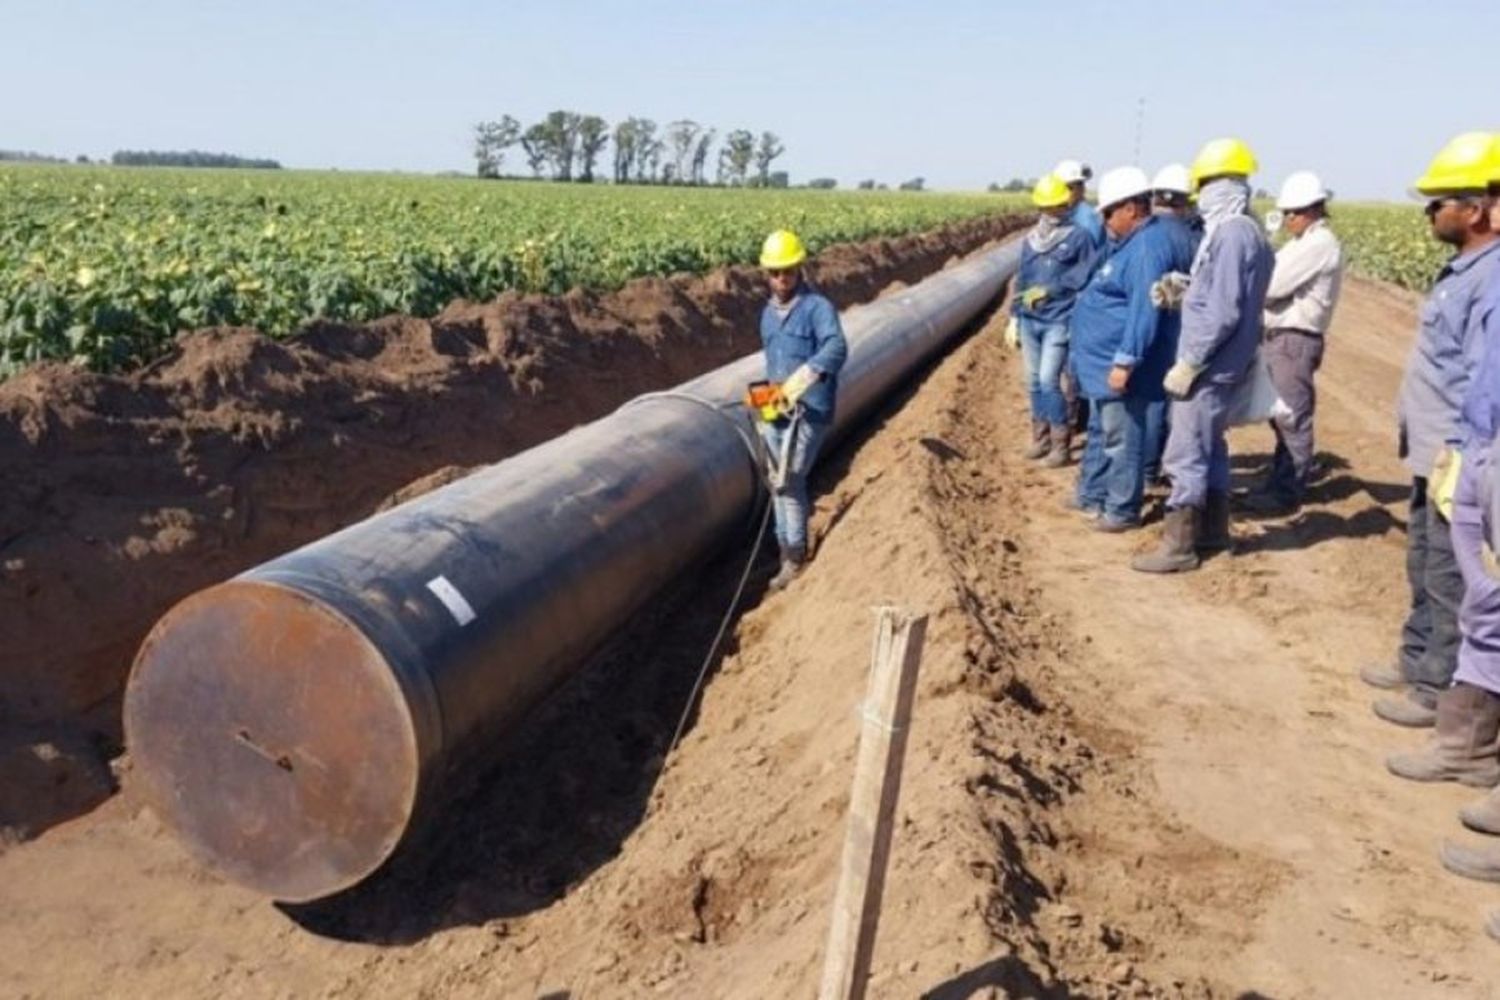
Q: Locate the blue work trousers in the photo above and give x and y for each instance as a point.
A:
(1197, 456)
(1479, 614)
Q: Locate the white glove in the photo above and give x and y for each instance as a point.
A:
(796, 386)
(1013, 334)
(1179, 381)
(1169, 290)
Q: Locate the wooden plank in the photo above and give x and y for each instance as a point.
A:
(872, 805)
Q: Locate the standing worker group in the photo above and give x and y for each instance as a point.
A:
(1432, 393)
(1450, 413)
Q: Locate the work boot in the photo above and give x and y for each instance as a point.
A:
(1492, 925)
(1483, 816)
(1062, 441)
(1412, 709)
(1178, 551)
(792, 561)
(1481, 863)
(1383, 676)
(1463, 747)
(1215, 536)
(1112, 526)
(1040, 442)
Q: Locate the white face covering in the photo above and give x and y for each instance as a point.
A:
(1222, 199)
(1048, 232)
(1219, 201)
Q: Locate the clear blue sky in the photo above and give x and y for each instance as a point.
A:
(961, 93)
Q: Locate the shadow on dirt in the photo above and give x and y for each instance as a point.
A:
(1312, 527)
(576, 780)
(1011, 976)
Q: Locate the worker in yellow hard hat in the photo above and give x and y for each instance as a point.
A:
(1217, 349)
(1439, 377)
(804, 349)
(1057, 258)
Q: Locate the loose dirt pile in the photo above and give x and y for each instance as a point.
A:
(122, 495)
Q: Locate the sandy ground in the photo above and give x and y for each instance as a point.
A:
(1116, 785)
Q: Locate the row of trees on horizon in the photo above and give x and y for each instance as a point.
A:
(568, 146)
(150, 158)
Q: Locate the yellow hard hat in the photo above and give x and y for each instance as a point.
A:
(1050, 192)
(782, 249)
(1221, 157)
(1469, 162)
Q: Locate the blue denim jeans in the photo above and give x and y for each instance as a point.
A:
(1112, 477)
(1044, 347)
(790, 505)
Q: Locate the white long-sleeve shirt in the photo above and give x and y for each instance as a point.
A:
(1305, 284)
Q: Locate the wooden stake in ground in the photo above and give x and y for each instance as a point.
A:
(872, 805)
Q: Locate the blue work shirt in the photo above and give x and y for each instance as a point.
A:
(1186, 234)
(1480, 415)
(1221, 313)
(1114, 322)
(809, 334)
(1087, 218)
(1062, 270)
(1446, 352)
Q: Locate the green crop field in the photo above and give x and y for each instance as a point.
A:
(1391, 242)
(104, 265)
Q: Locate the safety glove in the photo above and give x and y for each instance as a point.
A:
(1013, 334)
(1031, 296)
(1442, 481)
(1168, 291)
(796, 386)
(1179, 381)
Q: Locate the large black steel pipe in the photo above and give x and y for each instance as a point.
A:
(294, 723)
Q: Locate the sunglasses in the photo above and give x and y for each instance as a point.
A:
(1436, 205)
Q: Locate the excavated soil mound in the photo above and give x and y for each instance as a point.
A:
(123, 494)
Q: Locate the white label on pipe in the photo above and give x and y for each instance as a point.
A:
(457, 606)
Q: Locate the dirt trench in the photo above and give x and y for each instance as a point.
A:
(1116, 786)
(121, 495)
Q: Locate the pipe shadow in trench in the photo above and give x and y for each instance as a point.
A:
(575, 780)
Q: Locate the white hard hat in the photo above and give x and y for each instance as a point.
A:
(1072, 171)
(1172, 177)
(1122, 184)
(1300, 190)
